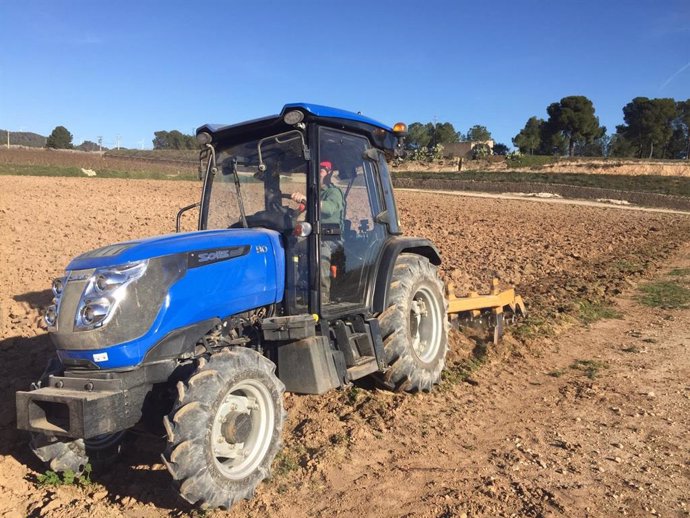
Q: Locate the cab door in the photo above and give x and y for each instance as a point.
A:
(349, 250)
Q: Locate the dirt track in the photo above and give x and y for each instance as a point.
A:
(514, 441)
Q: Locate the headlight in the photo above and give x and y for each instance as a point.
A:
(94, 312)
(113, 278)
(103, 292)
(50, 317)
(58, 286)
(51, 314)
(102, 307)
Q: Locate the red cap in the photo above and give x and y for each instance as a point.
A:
(326, 165)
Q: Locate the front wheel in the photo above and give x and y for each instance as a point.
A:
(414, 325)
(225, 428)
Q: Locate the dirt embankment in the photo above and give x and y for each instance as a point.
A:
(585, 423)
(611, 166)
(642, 199)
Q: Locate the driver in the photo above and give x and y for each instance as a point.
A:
(332, 214)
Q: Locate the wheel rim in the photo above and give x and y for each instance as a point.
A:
(425, 324)
(243, 429)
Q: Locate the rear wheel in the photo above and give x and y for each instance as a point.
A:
(225, 428)
(414, 325)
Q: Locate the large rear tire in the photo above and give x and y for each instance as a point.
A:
(225, 428)
(414, 325)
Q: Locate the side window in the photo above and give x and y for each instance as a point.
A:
(347, 257)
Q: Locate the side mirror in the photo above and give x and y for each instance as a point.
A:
(383, 218)
(371, 154)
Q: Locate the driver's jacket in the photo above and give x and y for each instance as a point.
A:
(332, 205)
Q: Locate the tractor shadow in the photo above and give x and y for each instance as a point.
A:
(35, 299)
(22, 361)
(139, 474)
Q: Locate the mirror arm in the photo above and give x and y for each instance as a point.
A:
(182, 211)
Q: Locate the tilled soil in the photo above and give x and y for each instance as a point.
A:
(530, 433)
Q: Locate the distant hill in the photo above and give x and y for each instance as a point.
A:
(23, 138)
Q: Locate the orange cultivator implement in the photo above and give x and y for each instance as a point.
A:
(493, 310)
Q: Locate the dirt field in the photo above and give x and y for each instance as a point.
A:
(567, 421)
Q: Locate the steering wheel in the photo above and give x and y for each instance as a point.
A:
(276, 216)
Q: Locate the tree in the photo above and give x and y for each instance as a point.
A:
(444, 133)
(598, 147)
(649, 125)
(501, 149)
(677, 145)
(620, 146)
(682, 123)
(553, 142)
(418, 136)
(573, 118)
(683, 115)
(478, 133)
(173, 140)
(429, 135)
(529, 138)
(60, 138)
(88, 145)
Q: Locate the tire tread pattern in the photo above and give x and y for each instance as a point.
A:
(188, 456)
(406, 372)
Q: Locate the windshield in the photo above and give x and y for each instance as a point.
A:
(254, 181)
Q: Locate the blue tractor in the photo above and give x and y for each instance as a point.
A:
(298, 278)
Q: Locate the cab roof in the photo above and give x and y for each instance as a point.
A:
(312, 112)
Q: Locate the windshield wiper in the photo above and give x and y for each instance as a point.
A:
(239, 192)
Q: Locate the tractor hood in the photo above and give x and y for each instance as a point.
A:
(117, 302)
(192, 243)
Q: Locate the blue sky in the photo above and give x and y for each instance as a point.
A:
(131, 68)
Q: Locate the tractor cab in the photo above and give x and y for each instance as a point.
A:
(334, 224)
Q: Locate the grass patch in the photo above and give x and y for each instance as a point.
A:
(557, 373)
(68, 171)
(533, 326)
(352, 394)
(591, 368)
(631, 349)
(664, 295)
(284, 464)
(627, 266)
(462, 371)
(68, 478)
(680, 272)
(177, 155)
(531, 160)
(590, 312)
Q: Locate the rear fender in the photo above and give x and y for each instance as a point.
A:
(384, 270)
